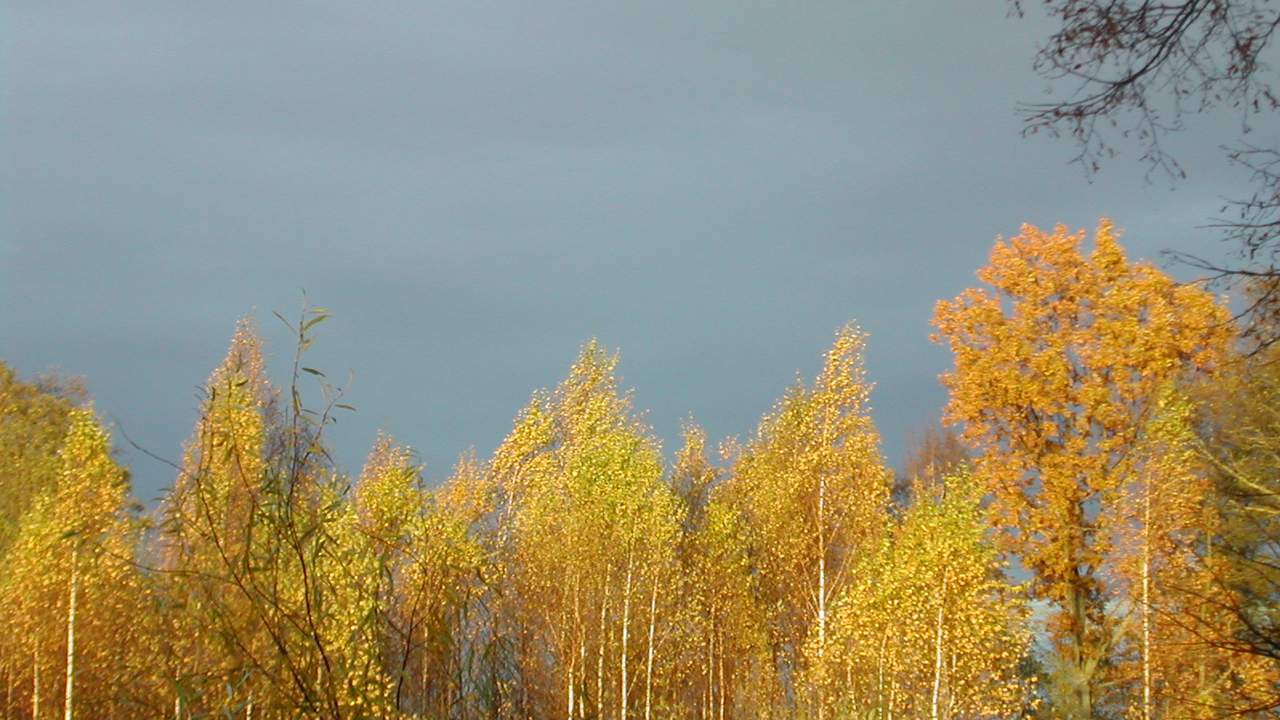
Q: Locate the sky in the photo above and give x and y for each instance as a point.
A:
(476, 188)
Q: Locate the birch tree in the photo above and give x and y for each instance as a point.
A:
(814, 492)
(70, 589)
(587, 533)
(930, 627)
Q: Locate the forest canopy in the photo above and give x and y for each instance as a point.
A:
(1094, 538)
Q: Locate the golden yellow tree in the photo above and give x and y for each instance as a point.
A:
(70, 589)
(1057, 369)
(267, 559)
(212, 531)
(586, 532)
(724, 652)
(929, 627)
(34, 419)
(814, 492)
(1238, 607)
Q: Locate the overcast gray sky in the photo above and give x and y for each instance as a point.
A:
(476, 187)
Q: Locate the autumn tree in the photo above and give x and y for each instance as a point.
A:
(929, 626)
(725, 652)
(931, 457)
(1057, 369)
(272, 610)
(34, 419)
(70, 589)
(420, 561)
(1239, 436)
(586, 531)
(1169, 539)
(814, 492)
(211, 533)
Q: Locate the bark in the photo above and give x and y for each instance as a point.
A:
(626, 635)
(35, 682)
(1146, 606)
(648, 670)
(822, 598)
(71, 635)
(937, 657)
(604, 604)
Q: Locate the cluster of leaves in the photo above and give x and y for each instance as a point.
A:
(576, 575)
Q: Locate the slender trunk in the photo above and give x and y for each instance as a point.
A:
(822, 598)
(937, 653)
(881, 700)
(582, 645)
(35, 681)
(723, 688)
(1082, 680)
(71, 635)
(648, 669)
(626, 635)
(708, 693)
(604, 604)
(577, 634)
(1146, 606)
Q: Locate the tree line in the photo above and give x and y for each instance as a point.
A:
(1099, 540)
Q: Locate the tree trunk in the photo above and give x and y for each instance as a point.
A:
(821, 674)
(604, 604)
(1081, 682)
(71, 635)
(648, 670)
(626, 635)
(723, 685)
(937, 653)
(708, 693)
(1146, 605)
(577, 636)
(35, 681)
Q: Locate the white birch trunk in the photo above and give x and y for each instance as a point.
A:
(582, 648)
(822, 597)
(1146, 606)
(604, 604)
(648, 669)
(577, 630)
(709, 696)
(35, 681)
(723, 695)
(71, 635)
(626, 635)
(937, 653)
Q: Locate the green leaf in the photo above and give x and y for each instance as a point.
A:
(314, 321)
(283, 320)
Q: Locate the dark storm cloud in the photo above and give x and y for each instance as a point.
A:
(476, 188)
